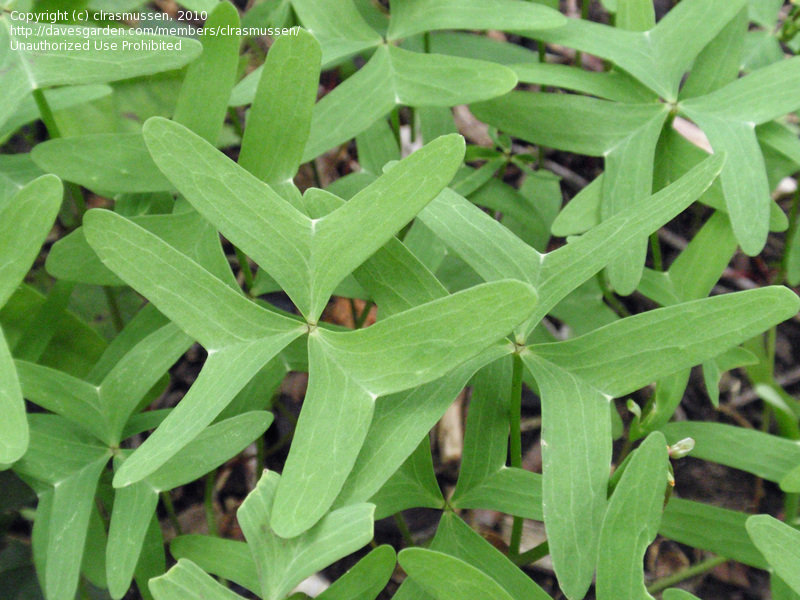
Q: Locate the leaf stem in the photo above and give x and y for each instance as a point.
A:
(689, 572)
(790, 238)
(113, 308)
(515, 443)
(166, 500)
(46, 114)
(532, 555)
(359, 322)
(584, 16)
(236, 121)
(400, 521)
(394, 117)
(261, 454)
(790, 508)
(655, 249)
(49, 120)
(244, 267)
(612, 300)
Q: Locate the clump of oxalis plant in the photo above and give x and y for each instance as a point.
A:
(452, 242)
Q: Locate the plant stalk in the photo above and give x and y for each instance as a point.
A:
(113, 308)
(400, 521)
(689, 572)
(515, 443)
(532, 555)
(166, 500)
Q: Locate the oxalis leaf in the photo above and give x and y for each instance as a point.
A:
(349, 371)
(446, 577)
(278, 236)
(577, 378)
(282, 564)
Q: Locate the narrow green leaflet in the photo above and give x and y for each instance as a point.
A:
(206, 308)
(418, 345)
(780, 544)
(152, 561)
(377, 146)
(73, 259)
(631, 522)
(333, 423)
(339, 27)
(762, 454)
(457, 80)
(576, 453)
(282, 563)
(43, 327)
(134, 507)
(761, 96)
(203, 100)
(613, 85)
(224, 374)
(123, 388)
(104, 162)
(70, 397)
(485, 439)
(635, 15)
(471, 45)
(397, 353)
(666, 340)
(412, 485)
(574, 123)
(456, 538)
(284, 238)
(353, 106)
(415, 16)
(14, 427)
(720, 61)
(446, 577)
(187, 581)
(394, 76)
(744, 178)
(710, 528)
(510, 490)
(488, 247)
(627, 181)
(229, 559)
(25, 221)
(73, 348)
(279, 120)
(366, 579)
